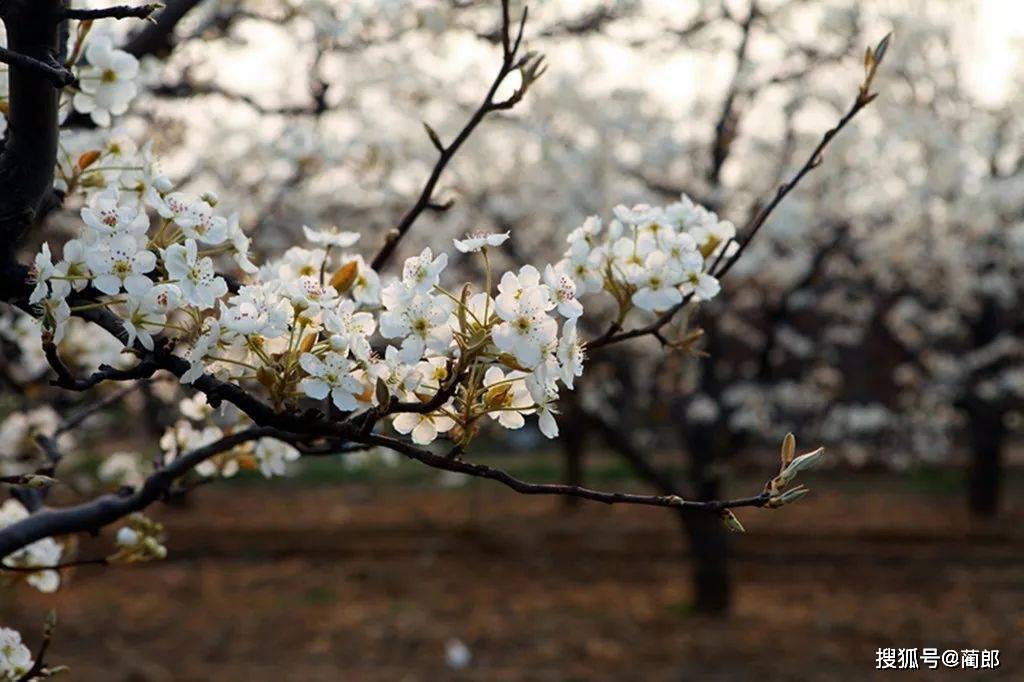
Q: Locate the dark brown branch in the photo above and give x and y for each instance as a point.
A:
(454, 464)
(510, 62)
(812, 162)
(157, 38)
(118, 12)
(105, 510)
(75, 420)
(49, 69)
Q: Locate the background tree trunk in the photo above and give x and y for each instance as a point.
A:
(712, 586)
(986, 434)
(573, 435)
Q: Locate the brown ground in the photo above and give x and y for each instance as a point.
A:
(350, 582)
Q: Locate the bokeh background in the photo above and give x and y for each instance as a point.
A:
(878, 314)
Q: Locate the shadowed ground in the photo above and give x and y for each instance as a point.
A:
(348, 581)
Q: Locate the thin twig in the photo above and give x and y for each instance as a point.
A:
(425, 201)
(454, 464)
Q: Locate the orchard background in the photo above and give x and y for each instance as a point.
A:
(877, 314)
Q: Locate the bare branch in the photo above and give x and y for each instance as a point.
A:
(51, 70)
(454, 464)
(118, 12)
(105, 510)
(510, 62)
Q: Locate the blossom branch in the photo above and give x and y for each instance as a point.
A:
(864, 98)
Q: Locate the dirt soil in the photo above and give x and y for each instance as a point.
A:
(352, 582)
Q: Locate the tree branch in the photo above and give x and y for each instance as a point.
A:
(454, 464)
(105, 510)
(510, 62)
(49, 69)
(118, 12)
(723, 265)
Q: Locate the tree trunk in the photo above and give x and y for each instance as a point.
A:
(712, 586)
(572, 437)
(986, 434)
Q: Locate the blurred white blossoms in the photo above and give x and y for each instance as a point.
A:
(15, 657)
(41, 553)
(107, 84)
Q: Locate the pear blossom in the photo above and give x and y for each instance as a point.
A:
(526, 328)
(563, 293)
(44, 272)
(41, 553)
(107, 84)
(571, 353)
(508, 398)
(479, 240)
(658, 283)
(544, 395)
(239, 245)
(350, 328)
(194, 275)
(702, 285)
(210, 339)
(420, 273)
(331, 237)
(15, 657)
(366, 287)
(421, 321)
(273, 456)
(396, 371)
(107, 216)
(119, 264)
(330, 376)
(55, 316)
(424, 428)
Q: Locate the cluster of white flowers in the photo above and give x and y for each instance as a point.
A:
(649, 257)
(45, 552)
(19, 452)
(318, 324)
(15, 657)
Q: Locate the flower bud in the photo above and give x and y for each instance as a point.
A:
(88, 158)
(126, 537)
(732, 522)
(799, 464)
(345, 276)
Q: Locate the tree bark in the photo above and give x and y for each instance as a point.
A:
(30, 151)
(986, 436)
(572, 437)
(712, 584)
